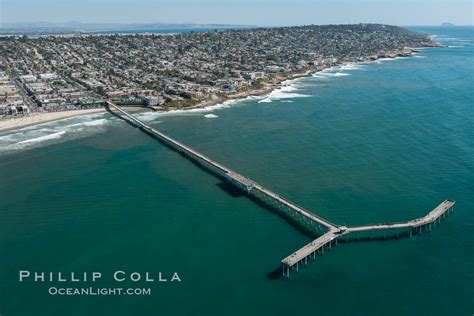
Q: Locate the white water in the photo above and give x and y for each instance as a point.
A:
(288, 90)
(82, 126)
(43, 138)
(53, 132)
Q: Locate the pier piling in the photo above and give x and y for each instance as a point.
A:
(333, 231)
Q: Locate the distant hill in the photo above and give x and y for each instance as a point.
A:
(447, 24)
(80, 27)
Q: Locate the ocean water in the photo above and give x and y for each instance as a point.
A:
(369, 143)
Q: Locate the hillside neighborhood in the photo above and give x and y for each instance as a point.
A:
(68, 72)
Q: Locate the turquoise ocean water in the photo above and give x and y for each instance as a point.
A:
(377, 142)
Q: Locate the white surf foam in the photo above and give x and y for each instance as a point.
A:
(341, 74)
(288, 90)
(43, 138)
(326, 74)
(153, 116)
(210, 116)
(352, 67)
(95, 123)
(10, 137)
(285, 92)
(53, 132)
(386, 59)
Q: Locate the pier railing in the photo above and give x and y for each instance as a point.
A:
(317, 246)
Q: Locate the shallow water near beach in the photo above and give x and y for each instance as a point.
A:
(369, 143)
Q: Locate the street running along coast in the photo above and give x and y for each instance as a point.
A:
(279, 80)
(212, 75)
(13, 123)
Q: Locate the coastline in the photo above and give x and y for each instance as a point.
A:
(40, 118)
(276, 83)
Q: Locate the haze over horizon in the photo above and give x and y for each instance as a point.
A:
(243, 12)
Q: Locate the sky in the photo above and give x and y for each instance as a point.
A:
(248, 12)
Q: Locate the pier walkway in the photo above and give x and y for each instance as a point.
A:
(430, 218)
(317, 246)
(232, 176)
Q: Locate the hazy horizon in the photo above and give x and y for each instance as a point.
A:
(243, 12)
(70, 23)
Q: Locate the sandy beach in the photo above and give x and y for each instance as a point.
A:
(8, 124)
(39, 118)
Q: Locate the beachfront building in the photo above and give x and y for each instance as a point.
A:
(179, 70)
(16, 110)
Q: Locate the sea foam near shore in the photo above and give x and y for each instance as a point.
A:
(82, 126)
(288, 90)
(154, 116)
(52, 132)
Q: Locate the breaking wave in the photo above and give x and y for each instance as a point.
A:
(43, 138)
(287, 91)
(330, 74)
(352, 67)
(52, 132)
(153, 116)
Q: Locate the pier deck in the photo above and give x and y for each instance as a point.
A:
(242, 181)
(309, 249)
(311, 216)
(431, 217)
(332, 235)
(316, 246)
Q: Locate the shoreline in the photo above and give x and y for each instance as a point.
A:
(10, 124)
(41, 118)
(278, 82)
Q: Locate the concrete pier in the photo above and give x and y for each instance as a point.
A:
(429, 219)
(332, 235)
(333, 231)
(232, 176)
